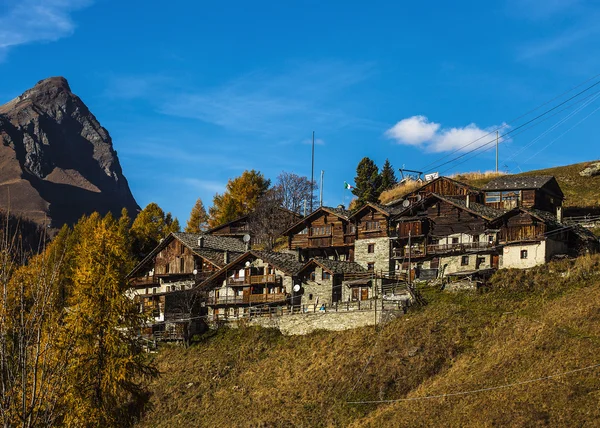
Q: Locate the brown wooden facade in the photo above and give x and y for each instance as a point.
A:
(371, 222)
(323, 233)
(546, 197)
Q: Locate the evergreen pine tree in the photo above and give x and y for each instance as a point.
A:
(388, 177)
(198, 218)
(367, 182)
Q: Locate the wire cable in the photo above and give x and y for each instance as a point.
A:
(474, 391)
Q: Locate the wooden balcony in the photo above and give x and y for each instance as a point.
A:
(422, 250)
(247, 299)
(144, 281)
(319, 241)
(254, 280)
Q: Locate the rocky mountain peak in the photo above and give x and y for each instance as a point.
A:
(56, 151)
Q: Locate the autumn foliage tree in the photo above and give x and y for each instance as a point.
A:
(107, 369)
(240, 197)
(198, 218)
(150, 226)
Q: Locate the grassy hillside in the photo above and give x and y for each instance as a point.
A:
(530, 324)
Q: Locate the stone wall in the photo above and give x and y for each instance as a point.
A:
(380, 257)
(536, 255)
(453, 264)
(298, 324)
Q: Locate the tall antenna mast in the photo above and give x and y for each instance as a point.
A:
(312, 173)
(321, 189)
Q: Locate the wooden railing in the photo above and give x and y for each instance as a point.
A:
(144, 281)
(422, 250)
(247, 299)
(254, 279)
(318, 242)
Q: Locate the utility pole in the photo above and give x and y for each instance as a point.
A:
(409, 255)
(312, 173)
(497, 141)
(321, 189)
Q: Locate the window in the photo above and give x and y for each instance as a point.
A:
(455, 240)
(492, 197)
(372, 225)
(371, 248)
(475, 239)
(325, 275)
(312, 276)
(310, 297)
(371, 266)
(523, 254)
(491, 239)
(303, 231)
(321, 230)
(464, 260)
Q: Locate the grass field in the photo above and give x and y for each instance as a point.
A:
(528, 325)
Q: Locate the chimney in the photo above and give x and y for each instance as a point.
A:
(468, 201)
(201, 242)
(559, 214)
(226, 256)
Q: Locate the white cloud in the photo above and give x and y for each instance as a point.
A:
(28, 21)
(419, 131)
(206, 185)
(413, 131)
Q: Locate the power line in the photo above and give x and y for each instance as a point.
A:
(516, 128)
(513, 120)
(474, 391)
(520, 132)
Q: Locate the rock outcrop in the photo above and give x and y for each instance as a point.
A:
(591, 170)
(56, 161)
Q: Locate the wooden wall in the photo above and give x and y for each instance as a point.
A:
(371, 215)
(173, 254)
(333, 236)
(446, 219)
(445, 187)
(521, 227)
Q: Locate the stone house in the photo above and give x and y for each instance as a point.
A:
(254, 283)
(326, 282)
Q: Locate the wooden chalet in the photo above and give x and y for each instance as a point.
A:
(255, 283)
(434, 231)
(443, 186)
(163, 283)
(325, 233)
(537, 192)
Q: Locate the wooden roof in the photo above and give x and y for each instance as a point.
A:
(519, 182)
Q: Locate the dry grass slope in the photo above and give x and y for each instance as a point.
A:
(530, 324)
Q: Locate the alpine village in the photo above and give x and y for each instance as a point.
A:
(273, 309)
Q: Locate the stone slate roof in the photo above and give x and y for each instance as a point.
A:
(211, 242)
(477, 208)
(339, 266)
(512, 182)
(342, 212)
(285, 262)
(389, 210)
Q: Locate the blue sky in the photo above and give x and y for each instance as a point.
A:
(193, 93)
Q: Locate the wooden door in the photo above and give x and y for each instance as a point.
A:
(364, 293)
(246, 294)
(495, 261)
(355, 293)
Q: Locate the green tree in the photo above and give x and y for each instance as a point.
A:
(367, 182)
(239, 198)
(150, 226)
(198, 218)
(388, 177)
(108, 371)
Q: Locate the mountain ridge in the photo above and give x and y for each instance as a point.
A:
(57, 162)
